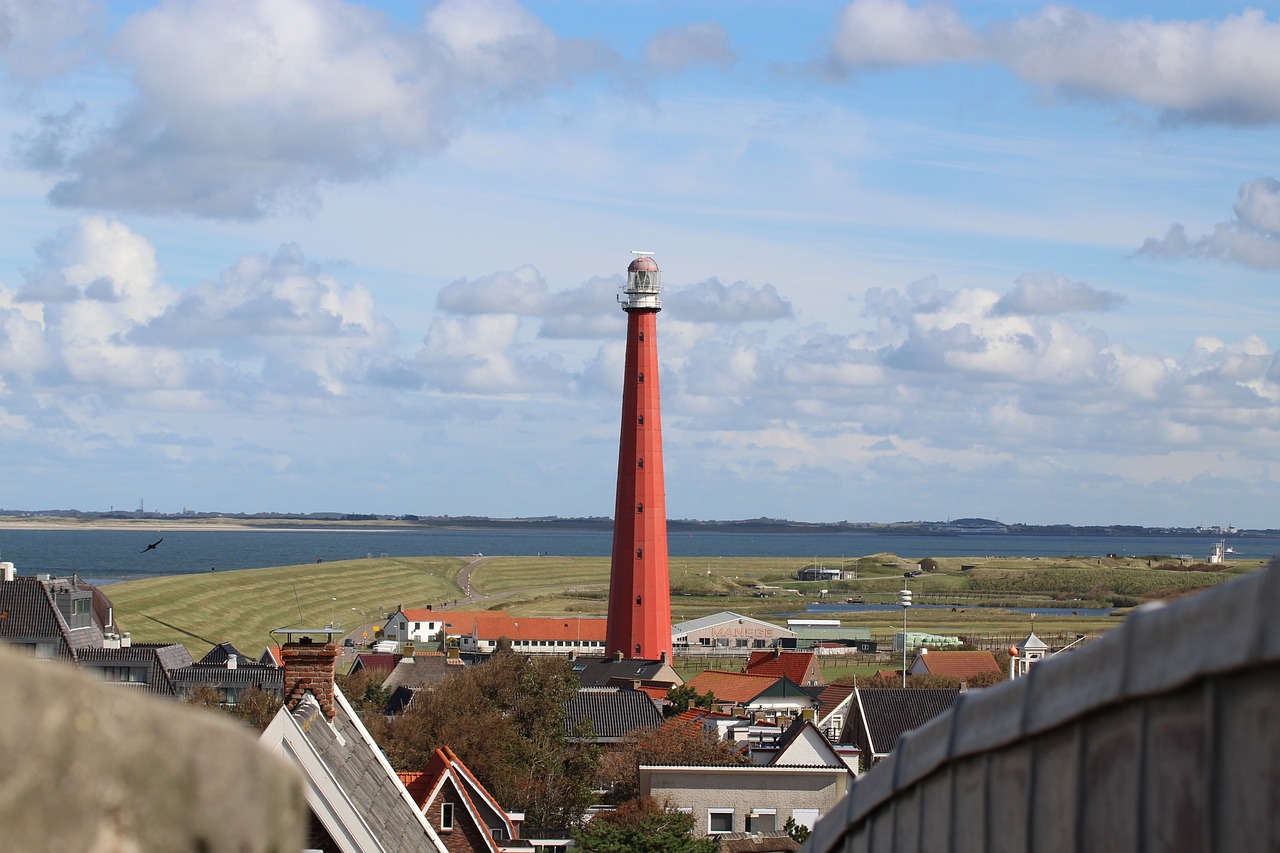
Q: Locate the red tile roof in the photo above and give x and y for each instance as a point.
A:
(959, 664)
(831, 697)
(737, 687)
(492, 624)
(793, 665)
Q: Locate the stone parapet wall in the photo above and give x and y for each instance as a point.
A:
(101, 768)
(1162, 735)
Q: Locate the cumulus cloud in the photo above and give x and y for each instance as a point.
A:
(1223, 71)
(1046, 294)
(712, 302)
(246, 110)
(43, 38)
(1252, 239)
(889, 32)
(672, 51)
(519, 291)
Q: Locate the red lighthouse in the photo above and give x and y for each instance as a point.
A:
(639, 586)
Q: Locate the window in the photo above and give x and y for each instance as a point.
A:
(446, 816)
(762, 820)
(639, 507)
(639, 463)
(640, 337)
(641, 377)
(79, 606)
(640, 420)
(719, 820)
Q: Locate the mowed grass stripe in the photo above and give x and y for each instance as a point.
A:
(243, 607)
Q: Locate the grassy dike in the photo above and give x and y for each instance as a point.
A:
(244, 606)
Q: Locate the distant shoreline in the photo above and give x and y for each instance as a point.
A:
(950, 529)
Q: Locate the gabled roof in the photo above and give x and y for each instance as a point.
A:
(241, 677)
(777, 663)
(352, 791)
(161, 661)
(422, 669)
(886, 712)
(957, 664)
(834, 699)
(385, 661)
(222, 651)
(737, 687)
(27, 612)
(271, 655)
(704, 622)
(612, 712)
(803, 744)
(606, 672)
(445, 768)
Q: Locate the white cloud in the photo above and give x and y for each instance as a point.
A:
(519, 291)
(1047, 293)
(1224, 71)
(244, 109)
(1252, 239)
(672, 51)
(712, 302)
(43, 38)
(889, 32)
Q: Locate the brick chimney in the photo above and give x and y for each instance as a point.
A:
(308, 668)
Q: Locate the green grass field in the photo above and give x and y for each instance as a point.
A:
(243, 607)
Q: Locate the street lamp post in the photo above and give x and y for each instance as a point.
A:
(904, 599)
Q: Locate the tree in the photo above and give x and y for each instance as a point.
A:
(505, 719)
(798, 831)
(642, 826)
(254, 707)
(680, 699)
(676, 741)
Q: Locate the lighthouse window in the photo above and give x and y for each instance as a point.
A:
(639, 463)
(639, 553)
(641, 377)
(637, 601)
(639, 507)
(641, 336)
(640, 420)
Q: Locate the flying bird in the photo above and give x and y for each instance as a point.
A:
(152, 546)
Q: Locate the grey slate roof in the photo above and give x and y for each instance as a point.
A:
(886, 712)
(613, 712)
(222, 651)
(242, 677)
(596, 672)
(421, 671)
(27, 613)
(355, 765)
(160, 659)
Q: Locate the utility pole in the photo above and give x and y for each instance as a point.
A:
(904, 599)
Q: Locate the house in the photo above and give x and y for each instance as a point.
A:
(958, 664)
(51, 618)
(477, 632)
(882, 714)
(766, 696)
(357, 802)
(226, 669)
(727, 630)
(654, 677)
(464, 815)
(804, 780)
(800, 667)
(146, 666)
(820, 573)
(833, 710)
(612, 713)
(412, 673)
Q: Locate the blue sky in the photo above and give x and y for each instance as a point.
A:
(921, 261)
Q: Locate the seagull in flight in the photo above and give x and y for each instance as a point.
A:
(152, 546)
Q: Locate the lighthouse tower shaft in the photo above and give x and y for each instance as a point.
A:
(639, 624)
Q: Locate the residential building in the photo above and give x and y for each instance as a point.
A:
(413, 673)
(804, 780)
(228, 672)
(800, 667)
(882, 714)
(357, 802)
(52, 618)
(463, 813)
(964, 665)
(764, 696)
(611, 712)
(654, 677)
(477, 632)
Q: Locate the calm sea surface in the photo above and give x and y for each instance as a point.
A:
(105, 556)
